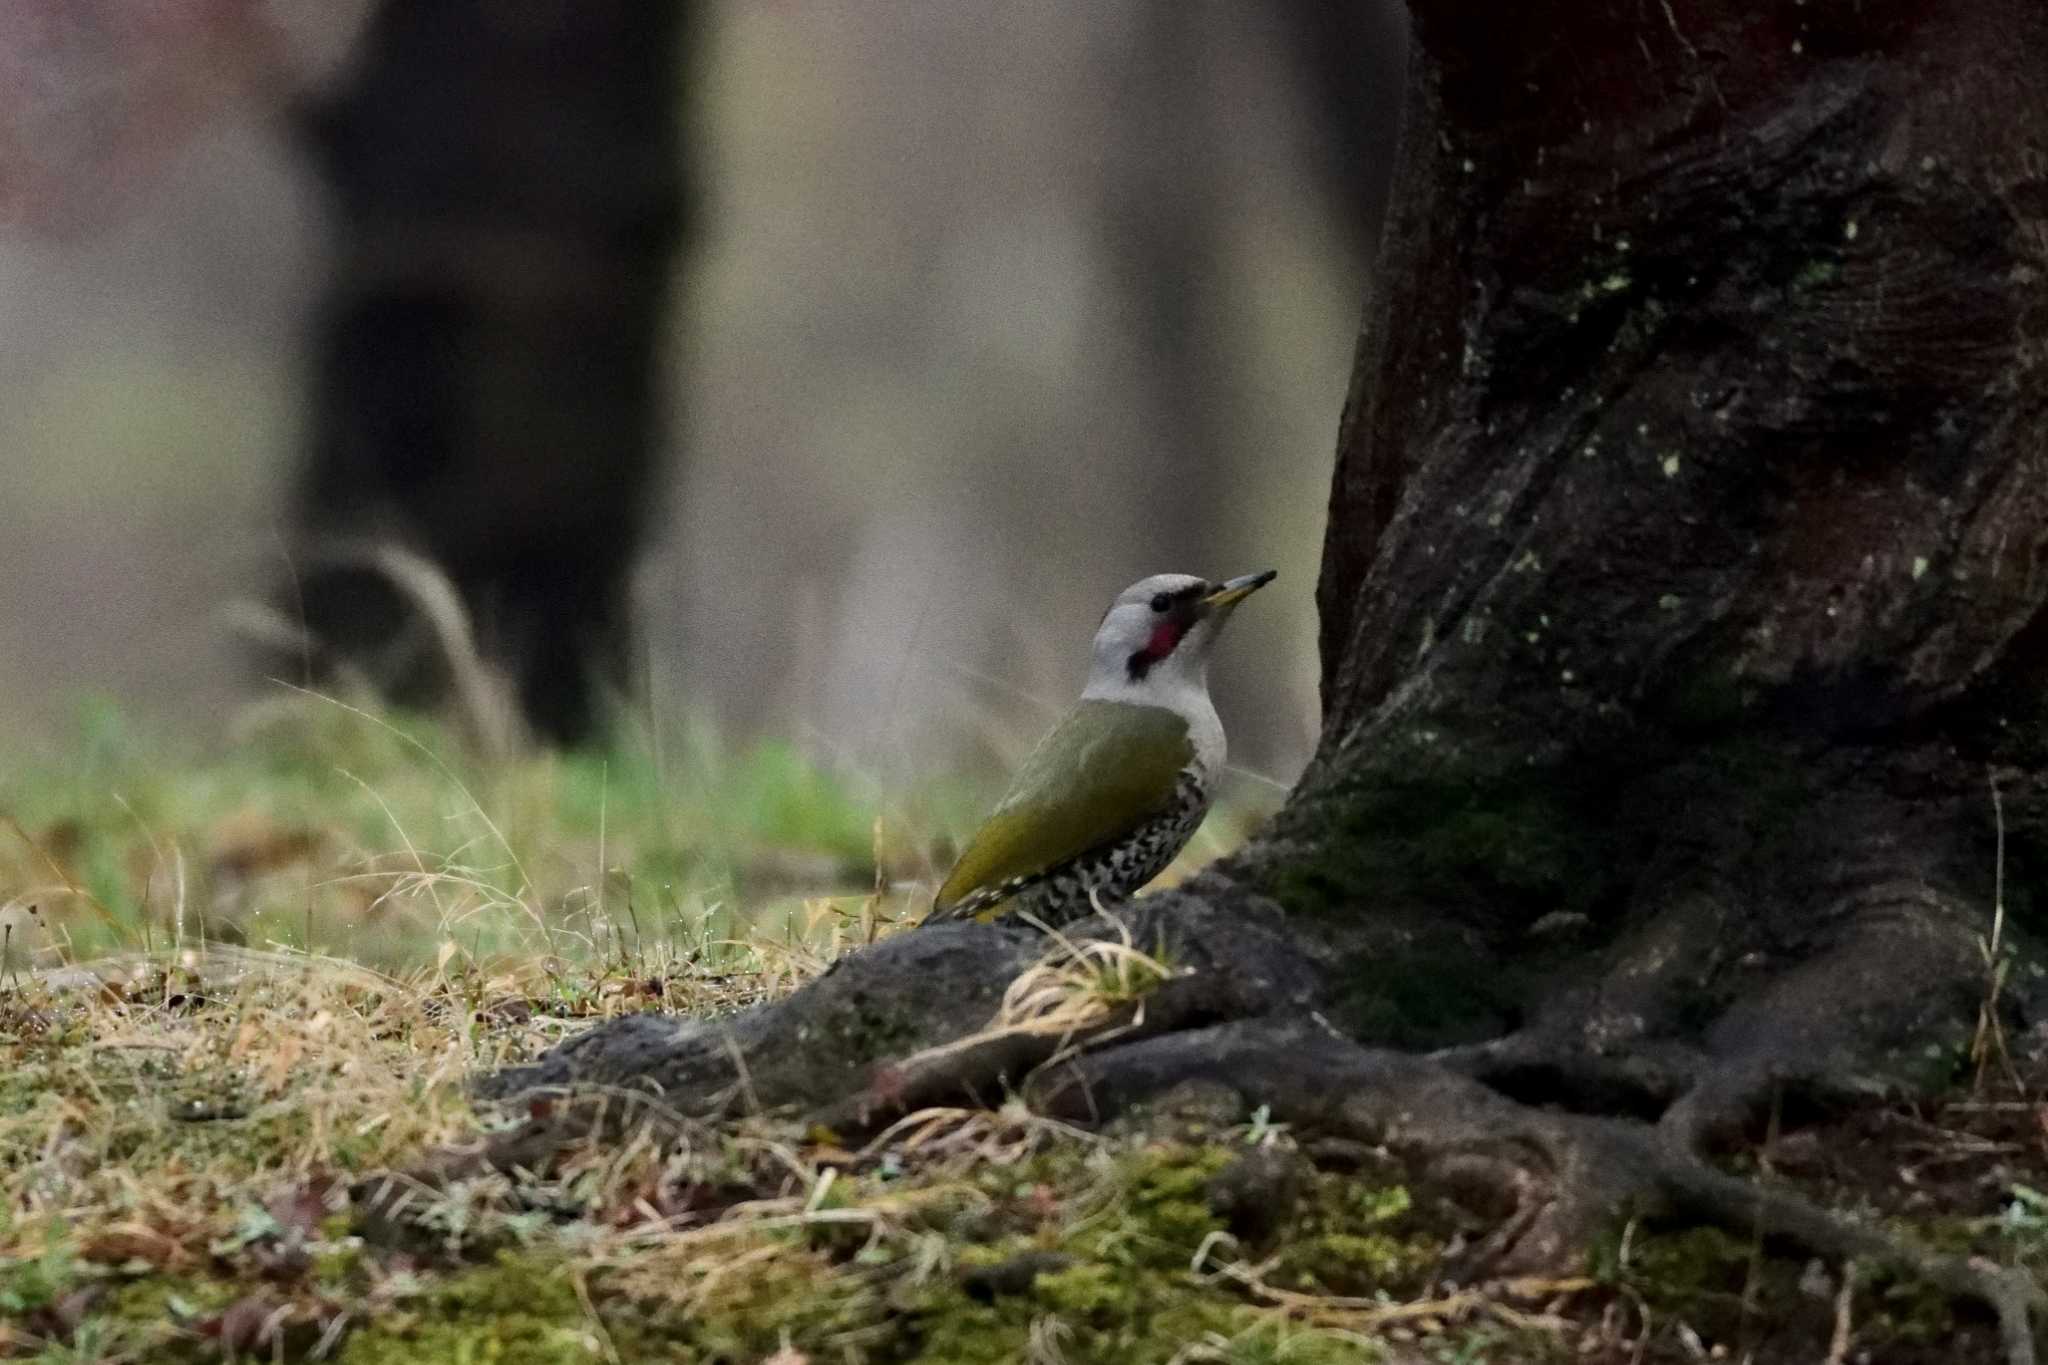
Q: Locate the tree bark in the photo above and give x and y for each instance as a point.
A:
(507, 181)
(1686, 542)
(1681, 604)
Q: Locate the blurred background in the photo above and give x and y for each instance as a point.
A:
(976, 312)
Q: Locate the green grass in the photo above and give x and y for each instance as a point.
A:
(317, 826)
(321, 827)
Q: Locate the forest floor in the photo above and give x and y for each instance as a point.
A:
(234, 1040)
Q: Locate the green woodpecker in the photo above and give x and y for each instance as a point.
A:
(1108, 798)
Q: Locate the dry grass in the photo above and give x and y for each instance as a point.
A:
(200, 1120)
(1076, 988)
(191, 1101)
(207, 1122)
(197, 1122)
(122, 1076)
(233, 987)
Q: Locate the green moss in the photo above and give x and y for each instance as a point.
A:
(1160, 1213)
(1434, 835)
(37, 1282)
(339, 1267)
(153, 1318)
(1704, 699)
(875, 1026)
(1426, 995)
(1358, 1240)
(1088, 1293)
(1131, 1226)
(1430, 827)
(1132, 1296)
(1724, 1287)
(954, 1328)
(1816, 274)
(515, 1311)
(1134, 1314)
(1375, 1259)
(1687, 1272)
(1129, 1295)
(800, 1300)
(1446, 856)
(168, 1298)
(524, 1309)
(1909, 1311)
(1272, 1342)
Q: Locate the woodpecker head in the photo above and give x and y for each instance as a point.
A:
(1157, 634)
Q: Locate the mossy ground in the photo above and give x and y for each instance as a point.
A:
(187, 1125)
(183, 1182)
(174, 1192)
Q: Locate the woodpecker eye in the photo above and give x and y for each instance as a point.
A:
(1160, 601)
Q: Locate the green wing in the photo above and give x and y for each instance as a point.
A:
(1103, 771)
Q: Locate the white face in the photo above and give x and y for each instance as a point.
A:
(1157, 632)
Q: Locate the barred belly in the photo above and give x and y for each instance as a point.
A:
(1116, 871)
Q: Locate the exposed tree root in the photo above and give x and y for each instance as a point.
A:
(903, 994)
(1688, 1023)
(922, 1016)
(1896, 978)
(1203, 987)
(1547, 1181)
(1534, 1187)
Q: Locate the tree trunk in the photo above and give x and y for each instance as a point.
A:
(1687, 541)
(1682, 586)
(507, 181)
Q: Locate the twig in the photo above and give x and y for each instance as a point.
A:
(1990, 1034)
(1838, 1344)
(739, 1067)
(597, 1327)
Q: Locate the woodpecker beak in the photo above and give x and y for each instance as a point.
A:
(1237, 589)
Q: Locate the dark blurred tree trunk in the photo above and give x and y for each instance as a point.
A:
(1351, 57)
(509, 195)
(1163, 196)
(1682, 602)
(1160, 211)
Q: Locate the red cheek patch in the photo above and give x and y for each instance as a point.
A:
(1165, 636)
